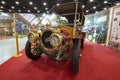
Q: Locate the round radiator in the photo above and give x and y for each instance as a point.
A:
(45, 36)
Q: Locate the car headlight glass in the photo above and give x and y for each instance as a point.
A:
(31, 37)
(55, 39)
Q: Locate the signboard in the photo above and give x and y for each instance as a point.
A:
(115, 25)
(19, 27)
(96, 26)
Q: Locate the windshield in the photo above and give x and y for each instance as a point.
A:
(54, 20)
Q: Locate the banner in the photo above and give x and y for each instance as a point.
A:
(115, 25)
(19, 27)
(96, 26)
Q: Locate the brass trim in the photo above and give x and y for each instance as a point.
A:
(55, 48)
(47, 49)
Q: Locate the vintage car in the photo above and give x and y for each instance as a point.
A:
(57, 42)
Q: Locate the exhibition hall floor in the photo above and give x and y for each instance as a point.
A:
(97, 63)
(8, 48)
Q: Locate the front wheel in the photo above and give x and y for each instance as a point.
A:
(32, 52)
(76, 55)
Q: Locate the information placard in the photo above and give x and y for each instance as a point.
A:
(115, 25)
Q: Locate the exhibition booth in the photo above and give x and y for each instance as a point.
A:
(103, 27)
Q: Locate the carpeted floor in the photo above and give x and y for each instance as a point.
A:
(97, 63)
(2, 39)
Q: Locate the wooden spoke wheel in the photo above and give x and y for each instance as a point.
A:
(32, 52)
(76, 55)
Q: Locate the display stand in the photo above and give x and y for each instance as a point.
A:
(16, 37)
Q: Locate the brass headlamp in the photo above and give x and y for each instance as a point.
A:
(32, 37)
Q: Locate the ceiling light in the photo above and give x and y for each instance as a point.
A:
(12, 7)
(91, 0)
(1, 6)
(19, 10)
(47, 11)
(10, 10)
(44, 4)
(38, 11)
(105, 2)
(3, 2)
(94, 7)
(46, 8)
(117, 3)
(35, 8)
(75, 0)
(31, 3)
(28, 10)
(16, 2)
(96, 11)
(105, 8)
(57, 4)
(43, 14)
(87, 11)
(83, 6)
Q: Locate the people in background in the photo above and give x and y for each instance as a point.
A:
(1, 33)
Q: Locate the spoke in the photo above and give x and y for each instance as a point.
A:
(34, 51)
(32, 47)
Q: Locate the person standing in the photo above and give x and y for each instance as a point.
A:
(1, 33)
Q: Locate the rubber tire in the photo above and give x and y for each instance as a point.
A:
(76, 55)
(28, 52)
